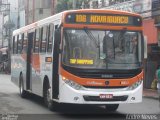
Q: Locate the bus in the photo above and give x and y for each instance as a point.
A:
(88, 56)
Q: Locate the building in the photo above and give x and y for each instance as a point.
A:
(9, 9)
(156, 17)
(33, 10)
(151, 29)
(100, 3)
(1, 31)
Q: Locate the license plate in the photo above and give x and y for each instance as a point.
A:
(106, 96)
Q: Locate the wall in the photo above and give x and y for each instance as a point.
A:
(150, 31)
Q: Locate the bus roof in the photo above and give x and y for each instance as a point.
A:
(58, 16)
(103, 11)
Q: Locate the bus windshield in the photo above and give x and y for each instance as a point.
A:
(101, 49)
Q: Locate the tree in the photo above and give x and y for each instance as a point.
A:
(68, 4)
(63, 5)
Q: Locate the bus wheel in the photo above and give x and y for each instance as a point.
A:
(111, 107)
(47, 98)
(23, 93)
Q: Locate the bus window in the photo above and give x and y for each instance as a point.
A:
(50, 38)
(36, 41)
(25, 42)
(15, 45)
(20, 43)
(44, 39)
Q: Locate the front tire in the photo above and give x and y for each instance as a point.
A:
(23, 93)
(111, 107)
(47, 98)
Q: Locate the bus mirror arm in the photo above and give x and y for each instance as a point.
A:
(145, 47)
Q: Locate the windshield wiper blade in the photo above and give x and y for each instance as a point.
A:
(90, 35)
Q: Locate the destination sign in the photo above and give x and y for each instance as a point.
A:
(81, 61)
(88, 18)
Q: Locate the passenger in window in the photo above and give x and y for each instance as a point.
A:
(134, 42)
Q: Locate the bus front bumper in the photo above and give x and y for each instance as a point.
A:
(68, 94)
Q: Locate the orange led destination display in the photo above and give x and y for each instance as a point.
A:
(87, 18)
(103, 19)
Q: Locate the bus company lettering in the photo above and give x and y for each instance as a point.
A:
(109, 19)
(94, 83)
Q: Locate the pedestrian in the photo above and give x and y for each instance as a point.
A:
(158, 79)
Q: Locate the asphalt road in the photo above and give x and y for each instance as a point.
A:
(11, 104)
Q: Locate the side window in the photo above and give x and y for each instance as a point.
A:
(20, 41)
(36, 41)
(50, 38)
(44, 39)
(25, 42)
(15, 45)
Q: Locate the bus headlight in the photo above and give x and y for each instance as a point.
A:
(73, 84)
(135, 85)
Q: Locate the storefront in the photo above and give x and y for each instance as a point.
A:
(150, 31)
(157, 24)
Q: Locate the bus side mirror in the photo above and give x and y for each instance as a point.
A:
(145, 47)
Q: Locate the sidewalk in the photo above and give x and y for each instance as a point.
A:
(150, 93)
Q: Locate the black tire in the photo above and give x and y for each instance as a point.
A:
(46, 95)
(23, 93)
(111, 107)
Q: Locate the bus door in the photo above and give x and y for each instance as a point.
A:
(55, 76)
(29, 56)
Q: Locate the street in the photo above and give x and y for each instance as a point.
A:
(12, 103)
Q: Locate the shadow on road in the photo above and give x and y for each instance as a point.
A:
(70, 111)
(36, 99)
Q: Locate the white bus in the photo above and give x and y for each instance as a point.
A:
(81, 57)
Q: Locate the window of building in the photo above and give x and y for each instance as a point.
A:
(155, 4)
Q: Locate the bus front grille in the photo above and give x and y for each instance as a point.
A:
(97, 98)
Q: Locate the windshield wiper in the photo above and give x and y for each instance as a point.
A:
(90, 35)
